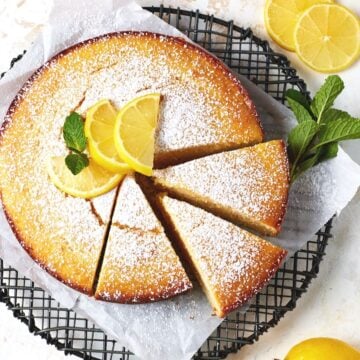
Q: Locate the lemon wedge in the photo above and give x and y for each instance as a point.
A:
(281, 17)
(327, 37)
(323, 349)
(99, 130)
(92, 181)
(134, 132)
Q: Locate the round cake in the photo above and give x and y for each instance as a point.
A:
(204, 110)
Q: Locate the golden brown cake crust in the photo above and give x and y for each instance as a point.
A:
(21, 104)
(83, 289)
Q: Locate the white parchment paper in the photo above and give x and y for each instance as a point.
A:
(176, 328)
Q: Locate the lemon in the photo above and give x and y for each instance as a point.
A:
(281, 17)
(327, 37)
(90, 182)
(99, 130)
(134, 132)
(323, 349)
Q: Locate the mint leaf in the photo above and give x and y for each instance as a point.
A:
(299, 139)
(304, 165)
(326, 95)
(320, 127)
(335, 114)
(73, 132)
(76, 162)
(297, 96)
(338, 130)
(328, 151)
(300, 112)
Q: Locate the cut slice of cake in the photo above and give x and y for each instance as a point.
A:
(231, 264)
(139, 264)
(247, 186)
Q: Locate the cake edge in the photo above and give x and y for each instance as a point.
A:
(82, 289)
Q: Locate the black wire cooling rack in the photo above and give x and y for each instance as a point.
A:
(243, 53)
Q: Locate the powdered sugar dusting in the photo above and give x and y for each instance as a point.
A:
(62, 233)
(252, 182)
(202, 104)
(139, 263)
(232, 261)
(132, 209)
(198, 94)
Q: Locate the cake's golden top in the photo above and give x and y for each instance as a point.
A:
(248, 186)
(139, 263)
(232, 264)
(204, 109)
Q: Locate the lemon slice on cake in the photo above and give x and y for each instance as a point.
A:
(134, 132)
(281, 17)
(92, 181)
(327, 37)
(99, 130)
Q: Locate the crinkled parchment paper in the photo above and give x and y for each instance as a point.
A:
(172, 329)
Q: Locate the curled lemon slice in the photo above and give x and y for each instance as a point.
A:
(281, 17)
(327, 37)
(99, 130)
(134, 132)
(90, 182)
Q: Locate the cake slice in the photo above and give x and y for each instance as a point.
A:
(231, 264)
(247, 186)
(139, 264)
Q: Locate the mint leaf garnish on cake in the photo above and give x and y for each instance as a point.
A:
(76, 162)
(74, 136)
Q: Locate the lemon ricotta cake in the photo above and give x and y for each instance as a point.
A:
(140, 264)
(248, 186)
(231, 263)
(113, 246)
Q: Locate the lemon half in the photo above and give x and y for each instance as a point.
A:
(327, 37)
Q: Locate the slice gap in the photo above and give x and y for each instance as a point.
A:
(152, 194)
(105, 239)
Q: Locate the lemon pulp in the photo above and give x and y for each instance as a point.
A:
(92, 181)
(134, 132)
(281, 17)
(99, 130)
(327, 37)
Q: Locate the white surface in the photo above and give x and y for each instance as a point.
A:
(331, 299)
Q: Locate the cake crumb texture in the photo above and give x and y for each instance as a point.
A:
(248, 186)
(139, 263)
(232, 264)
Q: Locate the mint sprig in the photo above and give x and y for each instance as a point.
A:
(74, 136)
(76, 162)
(315, 139)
